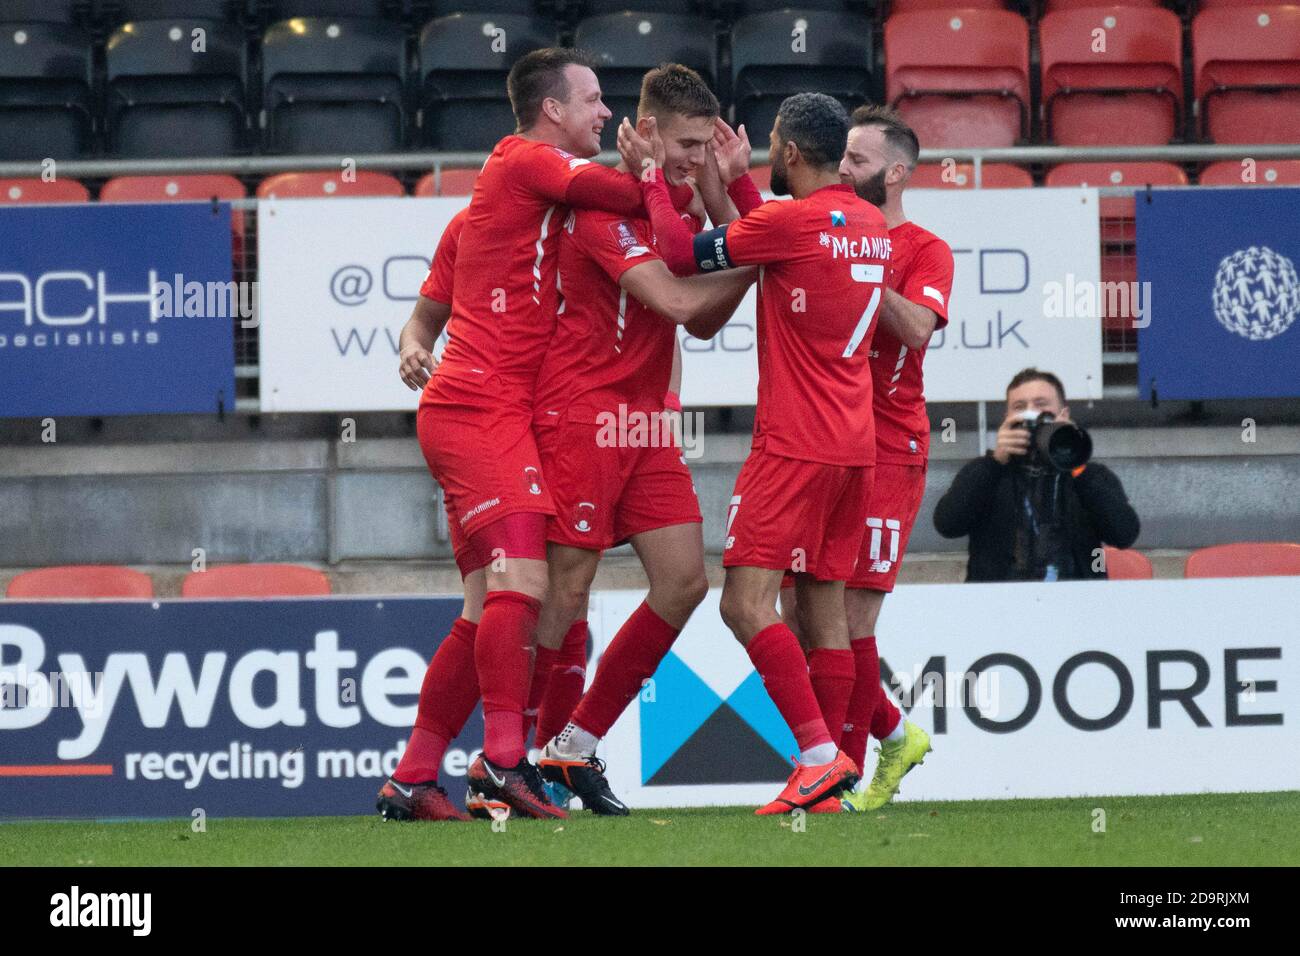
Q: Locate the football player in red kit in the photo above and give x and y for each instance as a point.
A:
(881, 154)
(608, 449)
(800, 499)
(475, 414)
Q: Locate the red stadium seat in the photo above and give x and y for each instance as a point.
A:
(1122, 87)
(959, 77)
(455, 182)
(1247, 62)
(171, 188)
(1246, 559)
(317, 185)
(762, 177)
(1116, 174)
(1052, 6)
(255, 580)
(907, 6)
(81, 581)
(1126, 565)
(1265, 172)
(962, 176)
(38, 190)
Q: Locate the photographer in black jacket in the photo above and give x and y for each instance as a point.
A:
(1029, 519)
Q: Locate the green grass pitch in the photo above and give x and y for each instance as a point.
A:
(1197, 830)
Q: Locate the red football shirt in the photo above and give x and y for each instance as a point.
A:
(439, 283)
(824, 262)
(503, 311)
(609, 349)
(921, 272)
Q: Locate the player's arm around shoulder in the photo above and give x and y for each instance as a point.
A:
(685, 301)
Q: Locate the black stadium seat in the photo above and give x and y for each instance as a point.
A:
(45, 91)
(45, 11)
(334, 85)
(464, 59)
(168, 94)
(599, 8)
(523, 8)
(378, 9)
(768, 62)
(627, 44)
(124, 11)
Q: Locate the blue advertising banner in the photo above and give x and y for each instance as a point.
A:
(1223, 293)
(117, 309)
(238, 708)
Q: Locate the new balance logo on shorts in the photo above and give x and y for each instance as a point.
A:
(731, 517)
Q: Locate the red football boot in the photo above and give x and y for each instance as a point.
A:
(415, 801)
(811, 785)
(520, 787)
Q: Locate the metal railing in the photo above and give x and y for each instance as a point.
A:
(411, 161)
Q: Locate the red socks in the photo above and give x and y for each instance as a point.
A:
(633, 655)
(780, 662)
(833, 675)
(503, 656)
(866, 692)
(543, 661)
(564, 690)
(447, 698)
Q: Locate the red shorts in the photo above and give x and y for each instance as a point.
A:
(606, 494)
(792, 515)
(484, 456)
(891, 512)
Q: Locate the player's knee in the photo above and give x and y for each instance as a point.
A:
(740, 614)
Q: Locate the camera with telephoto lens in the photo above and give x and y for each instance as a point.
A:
(1062, 445)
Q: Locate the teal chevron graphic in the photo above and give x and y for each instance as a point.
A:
(689, 734)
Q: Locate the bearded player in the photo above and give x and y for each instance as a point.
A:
(882, 152)
(611, 362)
(475, 415)
(800, 499)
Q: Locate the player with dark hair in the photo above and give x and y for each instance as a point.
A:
(878, 161)
(611, 362)
(800, 499)
(475, 416)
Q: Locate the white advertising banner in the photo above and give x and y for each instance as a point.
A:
(338, 279)
(1025, 291)
(1028, 690)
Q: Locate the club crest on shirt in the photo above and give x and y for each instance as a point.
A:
(532, 480)
(623, 234)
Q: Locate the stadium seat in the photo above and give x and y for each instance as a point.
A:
(598, 8)
(334, 85)
(45, 91)
(959, 77)
(453, 182)
(907, 6)
(962, 176)
(15, 191)
(373, 9)
(1051, 6)
(316, 185)
(1116, 174)
(463, 76)
(1246, 559)
(627, 44)
(81, 581)
(762, 176)
(124, 11)
(171, 188)
(1127, 565)
(520, 8)
(1247, 62)
(834, 58)
(1264, 172)
(67, 12)
(168, 96)
(1125, 92)
(255, 580)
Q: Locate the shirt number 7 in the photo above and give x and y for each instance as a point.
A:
(863, 273)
